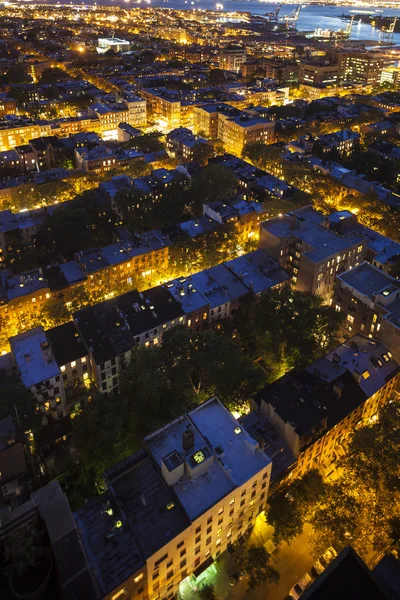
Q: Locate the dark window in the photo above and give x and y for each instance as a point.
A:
(58, 378)
(198, 529)
(114, 371)
(209, 529)
(140, 590)
(56, 390)
(182, 563)
(183, 552)
(170, 574)
(208, 541)
(169, 564)
(197, 550)
(160, 560)
(104, 385)
(112, 362)
(180, 544)
(209, 520)
(197, 540)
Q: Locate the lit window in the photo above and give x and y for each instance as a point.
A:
(73, 364)
(83, 359)
(62, 369)
(138, 578)
(366, 374)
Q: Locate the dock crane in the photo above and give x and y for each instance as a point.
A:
(292, 16)
(349, 28)
(273, 16)
(386, 34)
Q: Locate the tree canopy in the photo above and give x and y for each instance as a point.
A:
(361, 506)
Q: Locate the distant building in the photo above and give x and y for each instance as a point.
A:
(361, 66)
(232, 58)
(318, 73)
(105, 44)
(234, 128)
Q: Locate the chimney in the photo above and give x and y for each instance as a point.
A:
(188, 440)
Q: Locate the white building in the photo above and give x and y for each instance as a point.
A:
(172, 510)
(104, 44)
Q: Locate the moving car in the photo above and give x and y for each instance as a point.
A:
(327, 557)
(299, 587)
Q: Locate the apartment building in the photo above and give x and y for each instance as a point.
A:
(318, 73)
(182, 142)
(382, 251)
(370, 299)
(214, 293)
(236, 132)
(40, 373)
(317, 409)
(170, 510)
(101, 159)
(8, 106)
(110, 115)
(234, 128)
(245, 215)
(232, 58)
(342, 141)
(163, 104)
(311, 252)
(112, 328)
(361, 67)
(72, 358)
(22, 296)
(17, 131)
(35, 68)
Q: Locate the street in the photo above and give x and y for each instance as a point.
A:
(291, 562)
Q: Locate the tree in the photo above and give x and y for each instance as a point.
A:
(361, 506)
(214, 182)
(58, 309)
(202, 152)
(289, 328)
(25, 549)
(207, 592)
(17, 74)
(148, 142)
(16, 400)
(217, 76)
(52, 75)
(259, 571)
(104, 433)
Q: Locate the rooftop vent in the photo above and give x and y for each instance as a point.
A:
(188, 439)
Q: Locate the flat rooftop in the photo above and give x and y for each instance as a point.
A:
(186, 293)
(367, 358)
(34, 357)
(231, 455)
(368, 280)
(258, 271)
(307, 225)
(242, 456)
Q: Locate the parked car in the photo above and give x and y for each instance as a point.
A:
(235, 577)
(299, 587)
(327, 557)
